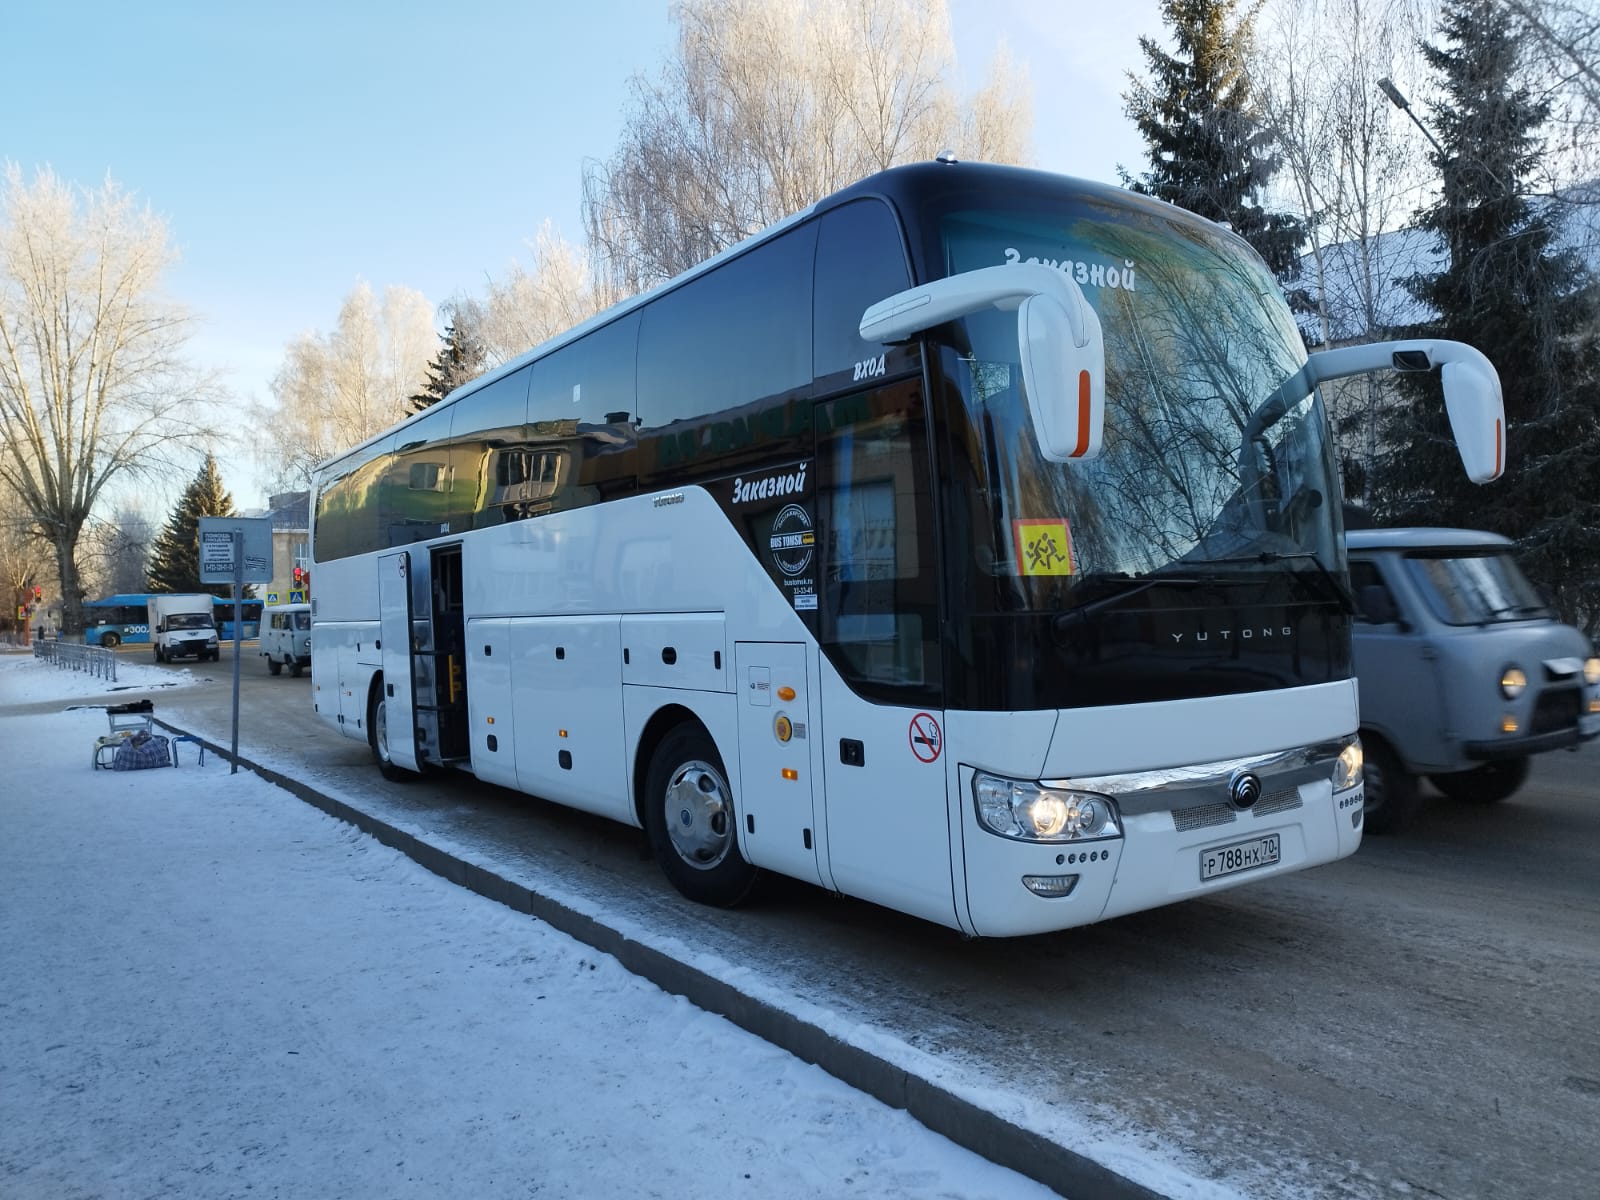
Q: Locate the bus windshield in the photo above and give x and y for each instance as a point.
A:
(1195, 478)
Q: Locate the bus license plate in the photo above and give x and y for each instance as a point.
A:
(1241, 856)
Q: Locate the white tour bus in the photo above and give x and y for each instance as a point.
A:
(813, 561)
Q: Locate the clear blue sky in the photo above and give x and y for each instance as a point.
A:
(296, 148)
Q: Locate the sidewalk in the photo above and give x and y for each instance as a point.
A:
(212, 989)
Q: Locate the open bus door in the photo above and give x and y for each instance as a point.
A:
(394, 612)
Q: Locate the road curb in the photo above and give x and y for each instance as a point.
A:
(941, 1110)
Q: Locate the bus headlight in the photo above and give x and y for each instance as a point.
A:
(1347, 767)
(1034, 813)
(1512, 682)
(1591, 671)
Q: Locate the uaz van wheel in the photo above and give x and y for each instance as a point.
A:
(274, 666)
(690, 818)
(1488, 784)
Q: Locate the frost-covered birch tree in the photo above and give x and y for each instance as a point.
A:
(765, 106)
(336, 389)
(94, 386)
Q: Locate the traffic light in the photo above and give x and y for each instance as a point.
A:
(38, 593)
(299, 574)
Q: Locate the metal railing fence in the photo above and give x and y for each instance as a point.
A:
(97, 661)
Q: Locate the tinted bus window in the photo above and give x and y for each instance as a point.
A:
(349, 518)
(860, 261)
(582, 411)
(418, 488)
(488, 446)
(725, 364)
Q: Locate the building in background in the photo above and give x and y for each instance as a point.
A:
(291, 549)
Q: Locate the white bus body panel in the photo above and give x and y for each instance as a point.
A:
(775, 736)
(491, 744)
(394, 619)
(1154, 863)
(1169, 733)
(567, 712)
(888, 825)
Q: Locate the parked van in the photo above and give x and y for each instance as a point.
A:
(286, 637)
(181, 626)
(1463, 670)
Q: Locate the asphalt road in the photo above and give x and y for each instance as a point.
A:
(1420, 1019)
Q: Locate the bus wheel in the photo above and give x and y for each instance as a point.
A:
(1392, 797)
(690, 819)
(378, 738)
(274, 666)
(110, 641)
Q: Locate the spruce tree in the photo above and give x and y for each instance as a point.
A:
(175, 557)
(1209, 150)
(1510, 289)
(461, 359)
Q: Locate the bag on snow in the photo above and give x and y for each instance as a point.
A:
(140, 751)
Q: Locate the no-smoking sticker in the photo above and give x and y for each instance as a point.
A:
(926, 740)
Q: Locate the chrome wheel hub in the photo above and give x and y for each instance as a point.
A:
(699, 815)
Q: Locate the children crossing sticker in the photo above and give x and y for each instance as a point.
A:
(1044, 546)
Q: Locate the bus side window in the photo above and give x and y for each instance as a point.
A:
(488, 434)
(581, 413)
(860, 261)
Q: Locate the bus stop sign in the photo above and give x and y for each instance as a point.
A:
(216, 549)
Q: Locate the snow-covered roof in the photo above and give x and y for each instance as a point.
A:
(1388, 259)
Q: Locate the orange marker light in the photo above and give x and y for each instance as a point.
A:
(562, 732)
(786, 693)
(491, 720)
(790, 773)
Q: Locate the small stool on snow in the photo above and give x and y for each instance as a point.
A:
(188, 737)
(105, 749)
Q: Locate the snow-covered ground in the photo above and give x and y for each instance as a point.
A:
(208, 988)
(28, 680)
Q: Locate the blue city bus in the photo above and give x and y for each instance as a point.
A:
(124, 618)
(116, 619)
(252, 619)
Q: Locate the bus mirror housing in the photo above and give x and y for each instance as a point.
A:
(1477, 418)
(1472, 394)
(1058, 332)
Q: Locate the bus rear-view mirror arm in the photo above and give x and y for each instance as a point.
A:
(1472, 394)
(1062, 348)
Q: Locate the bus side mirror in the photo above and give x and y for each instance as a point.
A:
(1062, 347)
(1477, 419)
(1064, 373)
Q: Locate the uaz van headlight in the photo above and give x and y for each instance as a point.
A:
(1513, 682)
(1591, 671)
(1032, 812)
(1347, 767)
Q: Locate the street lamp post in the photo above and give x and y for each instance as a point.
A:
(1387, 87)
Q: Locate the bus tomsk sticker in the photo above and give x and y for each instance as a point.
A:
(926, 738)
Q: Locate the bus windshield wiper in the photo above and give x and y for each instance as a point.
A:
(1123, 587)
(1347, 602)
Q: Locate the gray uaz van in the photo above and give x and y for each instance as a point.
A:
(286, 637)
(1463, 669)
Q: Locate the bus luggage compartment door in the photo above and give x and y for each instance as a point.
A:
(394, 613)
(777, 825)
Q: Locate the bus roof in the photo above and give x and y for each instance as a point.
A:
(899, 186)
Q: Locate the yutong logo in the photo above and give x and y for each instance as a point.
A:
(1244, 789)
(770, 488)
(1246, 633)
